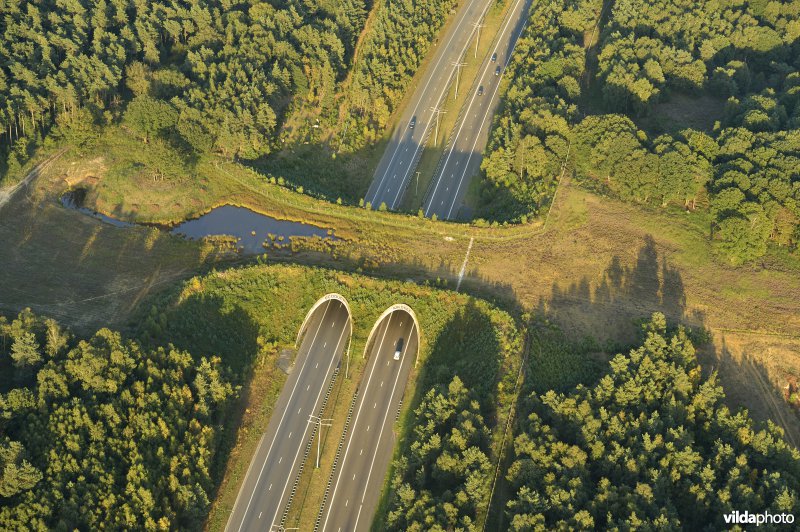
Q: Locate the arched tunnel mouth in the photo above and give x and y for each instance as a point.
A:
(397, 328)
(330, 307)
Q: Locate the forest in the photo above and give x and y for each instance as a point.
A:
(586, 79)
(102, 433)
(197, 77)
(242, 80)
(650, 445)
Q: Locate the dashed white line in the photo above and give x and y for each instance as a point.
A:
(425, 89)
(280, 422)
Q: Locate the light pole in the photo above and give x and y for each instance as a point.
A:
(280, 528)
(438, 112)
(416, 187)
(320, 422)
(477, 26)
(458, 66)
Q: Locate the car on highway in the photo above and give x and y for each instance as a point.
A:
(497, 71)
(412, 123)
(494, 57)
(480, 90)
(398, 349)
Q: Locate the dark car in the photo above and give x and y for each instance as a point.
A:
(398, 350)
(494, 57)
(412, 123)
(497, 71)
(480, 90)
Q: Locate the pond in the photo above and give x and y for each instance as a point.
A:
(250, 228)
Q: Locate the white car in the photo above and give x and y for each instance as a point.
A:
(398, 349)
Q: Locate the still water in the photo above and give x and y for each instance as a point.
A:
(250, 228)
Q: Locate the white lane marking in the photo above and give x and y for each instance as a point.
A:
(346, 503)
(290, 435)
(373, 406)
(368, 428)
(280, 459)
(332, 324)
(354, 477)
(316, 402)
(270, 487)
(355, 423)
(469, 108)
(259, 514)
(316, 365)
(324, 345)
(355, 526)
(277, 431)
(435, 68)
(381, 384)
(361, 452)
(307, 387)
(440, 98)
(383, 425)
(298, 410)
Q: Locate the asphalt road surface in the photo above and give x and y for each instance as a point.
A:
(358, 479)
(267, 486)
(462, 161)
(404, 149)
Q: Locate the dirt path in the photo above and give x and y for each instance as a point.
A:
(7, 193)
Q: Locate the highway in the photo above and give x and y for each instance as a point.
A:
(265, 492)
(358, 478)
(462, 160)
(405, 146)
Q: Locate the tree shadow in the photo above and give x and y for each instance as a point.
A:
(748, 385)
(624, 295)
(466, 347)
(76, 268)
(208, 325)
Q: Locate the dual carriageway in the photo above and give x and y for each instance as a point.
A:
(367, 443)
(356, 481)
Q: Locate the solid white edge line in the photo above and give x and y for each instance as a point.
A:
(355, 424)
(277, 430)
(485, 116)
(438, 101)
(414, 112)
(472, 101)
(314, 409)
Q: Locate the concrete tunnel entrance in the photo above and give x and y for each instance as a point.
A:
(402, 321)
(320, 311)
